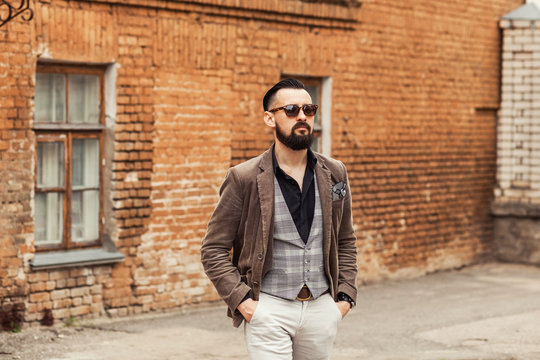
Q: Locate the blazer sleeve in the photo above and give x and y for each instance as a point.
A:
(219, 240)
(347, 247)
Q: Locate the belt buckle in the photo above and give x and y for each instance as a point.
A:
(304, 299)
(310, 295)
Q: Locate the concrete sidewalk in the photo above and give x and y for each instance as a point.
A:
(489, 311)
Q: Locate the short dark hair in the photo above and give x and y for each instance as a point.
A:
(283, 84)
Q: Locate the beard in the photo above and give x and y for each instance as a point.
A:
(294, 141)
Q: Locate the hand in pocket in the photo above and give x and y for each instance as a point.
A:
(247, 308)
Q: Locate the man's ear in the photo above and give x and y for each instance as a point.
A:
(269, 119)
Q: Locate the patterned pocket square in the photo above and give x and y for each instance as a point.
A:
(339, 191)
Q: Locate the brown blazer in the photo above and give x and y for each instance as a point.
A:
(243, 221)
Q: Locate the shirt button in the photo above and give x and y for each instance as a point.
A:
(260, 257)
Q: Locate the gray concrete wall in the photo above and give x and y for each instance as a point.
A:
(517, 239)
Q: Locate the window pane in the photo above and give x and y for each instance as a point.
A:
(50, 164)
(85, 163)
(84, 99)
(85, 216)
(49, 219)
(50, 98)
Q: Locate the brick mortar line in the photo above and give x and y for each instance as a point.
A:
(337, 22)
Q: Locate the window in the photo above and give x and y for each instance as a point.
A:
(320, 91)
(69, 127)
(313, 87)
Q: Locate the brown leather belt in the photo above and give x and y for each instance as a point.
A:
(305, 294)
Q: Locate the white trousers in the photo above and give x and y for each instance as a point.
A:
(285, 329)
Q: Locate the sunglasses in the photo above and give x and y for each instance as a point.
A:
(293, 110)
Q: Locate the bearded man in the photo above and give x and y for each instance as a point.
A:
(286, 215)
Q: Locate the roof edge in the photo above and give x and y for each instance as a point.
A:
(527, 11)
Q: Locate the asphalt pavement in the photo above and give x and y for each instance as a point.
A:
(488, 311)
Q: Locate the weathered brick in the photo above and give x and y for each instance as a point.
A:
(61, 303)
(61, 314)
(39, 297)
(77, 301)
(58, 275)
(80, 310)
(80, 291)
(38, 277)
(60, 294)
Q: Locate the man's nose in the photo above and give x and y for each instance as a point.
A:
(301, 116)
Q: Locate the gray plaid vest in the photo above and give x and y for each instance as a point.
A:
(295, 263)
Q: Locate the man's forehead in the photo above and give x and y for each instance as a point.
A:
(298, 95)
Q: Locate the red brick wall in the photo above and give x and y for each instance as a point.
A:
(16, 163)
(420, 139)
(191, 154)
(415, 87)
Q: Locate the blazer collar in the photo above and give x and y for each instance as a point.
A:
(265, 187)
(324, 182)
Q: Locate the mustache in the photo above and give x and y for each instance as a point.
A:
(301, 125)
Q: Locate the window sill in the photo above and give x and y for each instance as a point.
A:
(515, 209)
(68, 126)
(86, 257)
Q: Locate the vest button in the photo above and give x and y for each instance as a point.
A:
(255, 283)
(260, 257)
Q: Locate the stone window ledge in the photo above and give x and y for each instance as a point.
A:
(515, 209)
(72, 258)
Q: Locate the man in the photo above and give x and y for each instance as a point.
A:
(286, 215)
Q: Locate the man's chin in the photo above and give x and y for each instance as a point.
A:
(300, 146)
(298, 139)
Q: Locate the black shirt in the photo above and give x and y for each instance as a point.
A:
(301, 203)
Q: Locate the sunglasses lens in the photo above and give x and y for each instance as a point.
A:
(310, 109)
(291, 110)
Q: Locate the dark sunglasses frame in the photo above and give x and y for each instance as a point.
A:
(292, 110)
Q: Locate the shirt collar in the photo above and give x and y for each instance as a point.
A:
(311, 159)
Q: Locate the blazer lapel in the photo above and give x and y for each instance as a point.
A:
(265, 187)
(324, 182)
